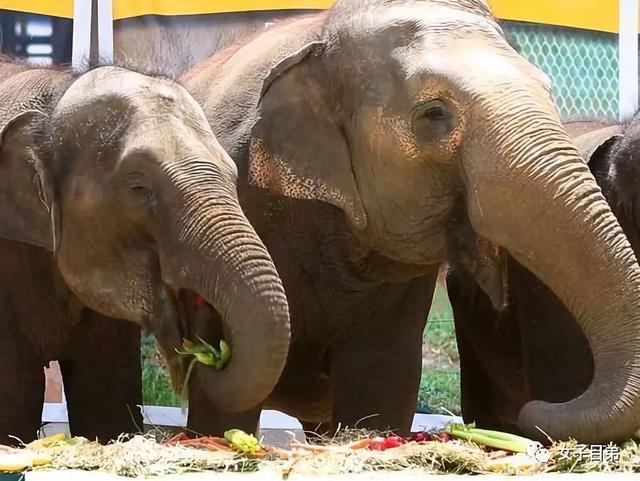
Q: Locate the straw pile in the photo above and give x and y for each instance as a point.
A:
(151, 455)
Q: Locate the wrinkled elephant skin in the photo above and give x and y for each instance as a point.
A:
(118, 204)
(535, 349)
(375, 142)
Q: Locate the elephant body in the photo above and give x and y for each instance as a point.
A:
(355, 324)
(174, 44)
(41, 321)
(367, 157)
(117, 203)
(534, 348)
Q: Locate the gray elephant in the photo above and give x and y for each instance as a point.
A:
(174, 44)
(117, 200)
(374, 142)
(534, 349)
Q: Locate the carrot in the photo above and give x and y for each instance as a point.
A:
(176, 439)
(193, 443)
(361, 444)
(216, 445)
(219, 440)
(210, 443)
(205, 443)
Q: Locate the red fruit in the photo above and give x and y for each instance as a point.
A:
(377, 444)
(422, 437)
(393, 442)
(443, 437)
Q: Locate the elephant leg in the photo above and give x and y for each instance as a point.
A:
(375, 374)
(22, 386)
(102, 377)
(492, 383)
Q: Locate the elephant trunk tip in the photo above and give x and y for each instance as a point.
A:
(583, 419)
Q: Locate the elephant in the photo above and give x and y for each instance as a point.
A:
(377, 140)
(174, 44)
(99, 357)
(534, 349)
(116, 202)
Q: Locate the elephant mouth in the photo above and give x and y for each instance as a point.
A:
(195, 318)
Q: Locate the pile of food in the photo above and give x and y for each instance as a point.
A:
(458, 449)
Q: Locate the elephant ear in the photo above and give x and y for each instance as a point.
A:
(298, 148)
(27, 211)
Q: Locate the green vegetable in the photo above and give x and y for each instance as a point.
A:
(242, 442)
(492, 439)
(206, 354)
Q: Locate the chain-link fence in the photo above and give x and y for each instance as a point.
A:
(582, 64)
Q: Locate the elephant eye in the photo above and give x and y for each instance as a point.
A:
(434, 110)
(433, 120)
(138, 186)
(140, 190)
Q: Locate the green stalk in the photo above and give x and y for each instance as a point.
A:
(492, 439)
(504, 436)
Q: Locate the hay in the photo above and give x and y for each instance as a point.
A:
(141, 456)
(430, 457)
(571, 457)
(147, 456)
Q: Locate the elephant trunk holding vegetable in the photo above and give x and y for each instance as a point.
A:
(537, 349)
(426, 133)
(120, 177)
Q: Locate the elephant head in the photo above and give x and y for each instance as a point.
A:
(122, 179)
(614, 157)
(417, 119)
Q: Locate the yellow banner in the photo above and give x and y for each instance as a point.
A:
(55, 8)
(599, 15)
(134, 8)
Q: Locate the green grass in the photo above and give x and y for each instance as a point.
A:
(439, 388)
(156, 386)
(440, 384)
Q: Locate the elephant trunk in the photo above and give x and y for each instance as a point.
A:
(531, 192)
(222, 258)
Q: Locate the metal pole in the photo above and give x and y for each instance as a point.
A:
(628, 59)
(81, 34)
(105, 31)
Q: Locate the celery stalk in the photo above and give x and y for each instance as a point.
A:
(505, 436)
(492, 439)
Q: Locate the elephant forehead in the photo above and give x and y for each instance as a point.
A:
(477, 66)
(407, 33)
(427, 17)
(115, 82)
(142, 96)
(477, 6)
